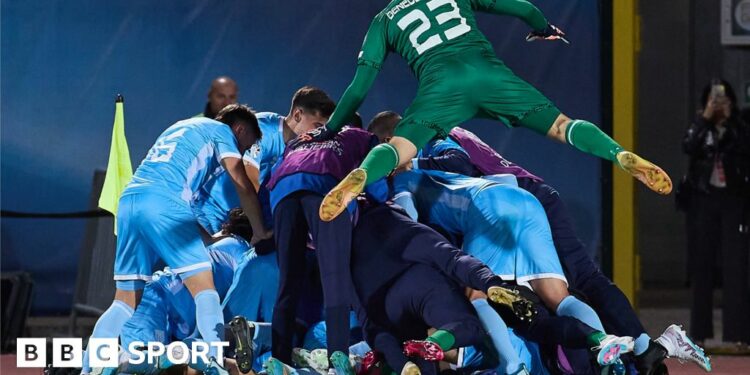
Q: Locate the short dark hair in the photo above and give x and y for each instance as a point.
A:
(355, 121)
(383, 122)
(238, 224)
(235, 113)
(315, 100)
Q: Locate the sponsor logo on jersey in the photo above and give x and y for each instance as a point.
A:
(255, 151)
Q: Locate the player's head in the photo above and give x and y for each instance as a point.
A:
(222, 93)
(311, 107)
(383, 125)
(237, 224)
(355, 121)
(243, 122)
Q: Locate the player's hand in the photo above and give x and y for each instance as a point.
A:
(319, 134)
(551, 32)
(260, 236)
(264, 247)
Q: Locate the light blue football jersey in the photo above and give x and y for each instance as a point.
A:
(185, 156)
(270, 148)
(212, 205)
(226, 255)
(441, 198)
(437, 146)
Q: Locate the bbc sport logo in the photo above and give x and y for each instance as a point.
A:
(68, 352)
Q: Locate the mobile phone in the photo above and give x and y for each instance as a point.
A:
(717, 90)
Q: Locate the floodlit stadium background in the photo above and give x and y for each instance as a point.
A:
(63, 63)
(633, 67)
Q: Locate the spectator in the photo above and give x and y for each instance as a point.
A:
(222, 93)
(718, 144)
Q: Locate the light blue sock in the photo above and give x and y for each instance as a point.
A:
(209, 318)
(498, 331)
(573, 307)
(109, 325)
(641, 343)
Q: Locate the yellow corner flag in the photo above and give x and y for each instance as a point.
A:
(119, 169)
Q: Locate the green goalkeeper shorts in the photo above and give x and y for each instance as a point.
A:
(456, 89)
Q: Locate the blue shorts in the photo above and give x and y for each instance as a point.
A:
(509, 232)
(254, 288)
(470, 359)
(153, 226)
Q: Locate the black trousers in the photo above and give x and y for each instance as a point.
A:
(294, 217)
(422, 298)
(715, 222)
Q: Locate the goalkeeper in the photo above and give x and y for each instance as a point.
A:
(459, 78)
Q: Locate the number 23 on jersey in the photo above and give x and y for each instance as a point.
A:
(420, 17)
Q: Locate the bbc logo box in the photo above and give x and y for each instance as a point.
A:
(66, 352)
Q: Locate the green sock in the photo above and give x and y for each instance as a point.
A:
(444, 339)
(595, 338)
(379, 162)
(588, 138)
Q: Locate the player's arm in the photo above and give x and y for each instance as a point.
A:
(445, 155)
(251, 160)
(521, 9)
(452, 160)
(402, 196)
(253, 174)
(353, 96)
(248, 197)
(370, 60)
(405, 200)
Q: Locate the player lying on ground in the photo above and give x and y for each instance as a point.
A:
(463, 152)
(460, 78)
(155, 220)
(167, 311)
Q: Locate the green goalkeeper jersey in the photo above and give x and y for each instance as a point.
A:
(422, 31)
(430, 35)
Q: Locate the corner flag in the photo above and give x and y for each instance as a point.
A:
(119, 169)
